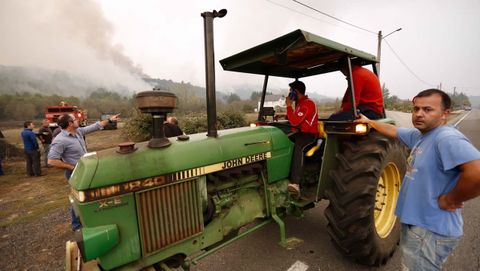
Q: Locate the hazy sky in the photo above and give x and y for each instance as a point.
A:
(439, 43)
(440, 40)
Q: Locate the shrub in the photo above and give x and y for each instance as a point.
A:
(194, 123)
(139, 126)
(230, 119)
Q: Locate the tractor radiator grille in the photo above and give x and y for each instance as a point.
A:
(169, 214)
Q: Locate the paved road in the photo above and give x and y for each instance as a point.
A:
(260, 250)
(467, 255)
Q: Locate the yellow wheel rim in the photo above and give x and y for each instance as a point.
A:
(386, 200)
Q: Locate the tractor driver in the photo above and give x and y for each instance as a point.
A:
(304, 119)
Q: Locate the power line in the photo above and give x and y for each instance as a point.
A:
(465, 88)
(301, 13)
(333, 17)
(358, 27)
(369, 31)
(406, 66)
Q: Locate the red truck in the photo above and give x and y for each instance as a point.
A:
(52, 113)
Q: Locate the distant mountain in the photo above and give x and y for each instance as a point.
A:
(48, 82)
(320, 98)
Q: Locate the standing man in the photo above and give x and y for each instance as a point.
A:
(443, 172)
(368, 94)
(45, 135)
(171, 127)
(30, 148)
(69, 146)
(56, 131)
(305, 119)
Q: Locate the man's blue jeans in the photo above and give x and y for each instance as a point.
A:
(46, 149)
(424, 250)
(76, 224)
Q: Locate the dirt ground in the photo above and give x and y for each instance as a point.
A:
(34, 217)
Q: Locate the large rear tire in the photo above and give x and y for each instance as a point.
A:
(361, 212)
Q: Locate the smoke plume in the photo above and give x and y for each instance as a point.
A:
(70, 36)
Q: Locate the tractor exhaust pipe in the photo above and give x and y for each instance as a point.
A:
(210, 69)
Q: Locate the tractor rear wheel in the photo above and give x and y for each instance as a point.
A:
(361, 213)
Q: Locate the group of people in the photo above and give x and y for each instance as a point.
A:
(46, 135)
(64, 147)
(62, 150)
(443, 165)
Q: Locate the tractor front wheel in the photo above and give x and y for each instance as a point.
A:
(361, 213)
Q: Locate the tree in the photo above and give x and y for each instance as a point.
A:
(255, 96)
(232, 98)
(459, 100)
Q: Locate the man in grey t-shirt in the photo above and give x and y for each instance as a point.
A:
(69, 146)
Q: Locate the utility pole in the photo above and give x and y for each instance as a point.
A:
(379, 48)
(379, 52)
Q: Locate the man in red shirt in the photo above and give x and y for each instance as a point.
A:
(305, 119)
(368, 94)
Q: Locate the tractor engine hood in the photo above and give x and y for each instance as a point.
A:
(197, 156)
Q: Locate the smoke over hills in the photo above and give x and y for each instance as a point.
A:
(72, 39)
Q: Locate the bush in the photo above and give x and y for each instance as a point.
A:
(230, 119)
(197, 123)
(139, 126)
(194, 123)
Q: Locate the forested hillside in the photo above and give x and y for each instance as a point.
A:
(25, 92)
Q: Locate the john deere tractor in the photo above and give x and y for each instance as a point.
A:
(169, 202)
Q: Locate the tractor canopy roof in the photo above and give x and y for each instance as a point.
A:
(295, 55)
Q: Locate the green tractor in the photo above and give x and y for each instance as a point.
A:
(168, 203)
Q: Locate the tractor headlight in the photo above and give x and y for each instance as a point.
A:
(361, 128)
(79, 195)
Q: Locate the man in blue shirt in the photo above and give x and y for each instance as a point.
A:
(443, 172)
(30, 148)
(69, 146)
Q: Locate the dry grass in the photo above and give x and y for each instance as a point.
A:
(34, 216)
(24, 198)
